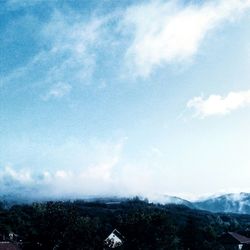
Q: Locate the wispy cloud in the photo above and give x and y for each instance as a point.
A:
(58, 91)
(71, 44)
(67, 45)
(171, 32)
(219, 105)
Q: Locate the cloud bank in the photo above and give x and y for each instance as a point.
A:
(76, 169)
(73, 169)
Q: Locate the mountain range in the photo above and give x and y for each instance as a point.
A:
(227, 203)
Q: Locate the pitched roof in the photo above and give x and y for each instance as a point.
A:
(115, 239)
(118, 234)
(240, 238)
(5, 245)
(234, 238)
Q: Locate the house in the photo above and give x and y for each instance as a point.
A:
(235, 241)
(114, 240)
(13, 237)
(9, 241)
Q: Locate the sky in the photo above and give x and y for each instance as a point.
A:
(124, 98)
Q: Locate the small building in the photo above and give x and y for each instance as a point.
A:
(234, 241)
(114, 240)
(13, 237)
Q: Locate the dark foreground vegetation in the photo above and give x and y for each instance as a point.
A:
(84, 225)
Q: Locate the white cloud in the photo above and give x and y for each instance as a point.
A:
(58, 91)
(169, 32)
(22, 176)
(219, 105)
(76, 169)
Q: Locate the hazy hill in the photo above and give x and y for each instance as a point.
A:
(228, 203)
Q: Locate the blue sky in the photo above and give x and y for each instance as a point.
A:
(125, 98)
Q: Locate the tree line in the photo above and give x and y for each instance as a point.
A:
(83, 225)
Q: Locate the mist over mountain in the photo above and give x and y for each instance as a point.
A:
(167, 199)
(228, 203)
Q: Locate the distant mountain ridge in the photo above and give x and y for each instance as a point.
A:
(227, 203)
(167, 199)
